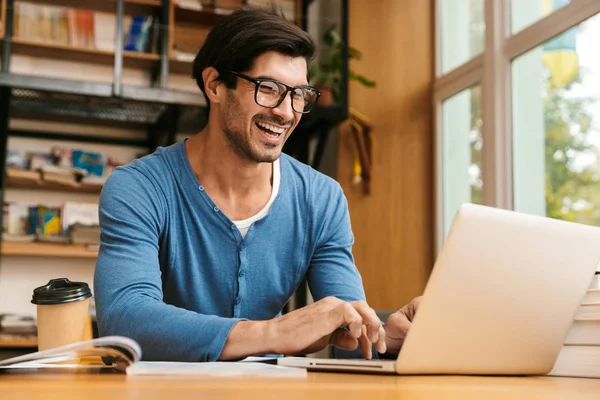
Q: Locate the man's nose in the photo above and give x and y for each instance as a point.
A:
(284, 110)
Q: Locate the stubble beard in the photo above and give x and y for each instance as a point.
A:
(238, 142)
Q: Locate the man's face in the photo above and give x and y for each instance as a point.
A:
(255, 132)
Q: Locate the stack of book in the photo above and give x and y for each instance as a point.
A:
(15, 327)
(83, 28)
(68, 26)
(580, 355)
(74, 222)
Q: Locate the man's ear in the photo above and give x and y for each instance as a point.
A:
(212, 84)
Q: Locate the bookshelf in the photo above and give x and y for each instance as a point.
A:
(132, 7)
(31, 184)
(37, 249)
(204, 16)
(58, 51)
(2, 17)
(17, 342)
(153, 106)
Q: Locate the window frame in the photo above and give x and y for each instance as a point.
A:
(492, 70)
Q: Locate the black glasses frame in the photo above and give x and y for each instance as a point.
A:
(288, 89)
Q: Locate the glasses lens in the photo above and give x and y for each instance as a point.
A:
(304, 99)
(268, 94)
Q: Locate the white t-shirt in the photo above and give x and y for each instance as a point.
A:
(244, 225)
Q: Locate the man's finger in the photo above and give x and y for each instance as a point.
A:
(346, 315)
(380, 345)
(401, 322)
(365, 344)
(370, 319)
(343, 339)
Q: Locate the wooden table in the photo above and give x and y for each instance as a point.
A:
(323, 385)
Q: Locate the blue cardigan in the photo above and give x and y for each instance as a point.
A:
(174, 273)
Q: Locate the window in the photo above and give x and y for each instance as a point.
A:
(556, 126)
(518, 120)
(463, 143)
(463, 29)
(526, 12)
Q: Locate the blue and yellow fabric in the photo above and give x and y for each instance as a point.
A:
(560, 53)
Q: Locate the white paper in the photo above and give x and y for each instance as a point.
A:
(218, 368)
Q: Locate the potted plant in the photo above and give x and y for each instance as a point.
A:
(326, 74)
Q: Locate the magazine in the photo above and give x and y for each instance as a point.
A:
(111, 351)
(124, 354)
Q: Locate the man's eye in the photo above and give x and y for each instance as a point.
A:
(268, 88)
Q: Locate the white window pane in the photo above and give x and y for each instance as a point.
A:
(462, 151)
(526, 12)
(556, 127)
(462, 31)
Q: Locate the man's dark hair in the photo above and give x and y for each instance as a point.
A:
(237, 40)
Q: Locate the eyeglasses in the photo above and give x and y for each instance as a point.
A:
(270, 93)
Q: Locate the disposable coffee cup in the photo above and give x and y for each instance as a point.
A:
(62, 312)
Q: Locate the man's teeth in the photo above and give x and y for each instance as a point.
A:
(271, 128)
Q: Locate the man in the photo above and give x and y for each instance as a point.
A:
(204, 242)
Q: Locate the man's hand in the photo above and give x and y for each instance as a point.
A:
(398, 324)
(372, 333)
(329, 321)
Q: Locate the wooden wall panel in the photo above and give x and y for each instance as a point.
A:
(393, 226)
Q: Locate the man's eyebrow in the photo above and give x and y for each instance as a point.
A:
(277, 80)
(266, 77)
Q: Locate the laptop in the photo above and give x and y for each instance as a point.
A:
(500, 299)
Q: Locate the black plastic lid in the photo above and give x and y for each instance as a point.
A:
(59, 291)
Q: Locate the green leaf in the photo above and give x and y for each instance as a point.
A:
(331, 37)
(361, 78)
(354, 53)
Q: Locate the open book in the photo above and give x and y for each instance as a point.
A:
(110, 351)
(124, 354)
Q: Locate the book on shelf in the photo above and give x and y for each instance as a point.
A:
(125, 355)
(17, 330)
(196, 5)
(76, 169)
(72, 223)
(219, 7)
(17, 325)
(15, 220)
(83, 28)
(58, 175)
(181, 52)
(139, 31)
(54, 24)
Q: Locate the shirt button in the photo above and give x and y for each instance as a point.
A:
(216, 209)
(201, 188)
(232, 226)
(242, 248)
(241, 274)
(238, 300)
